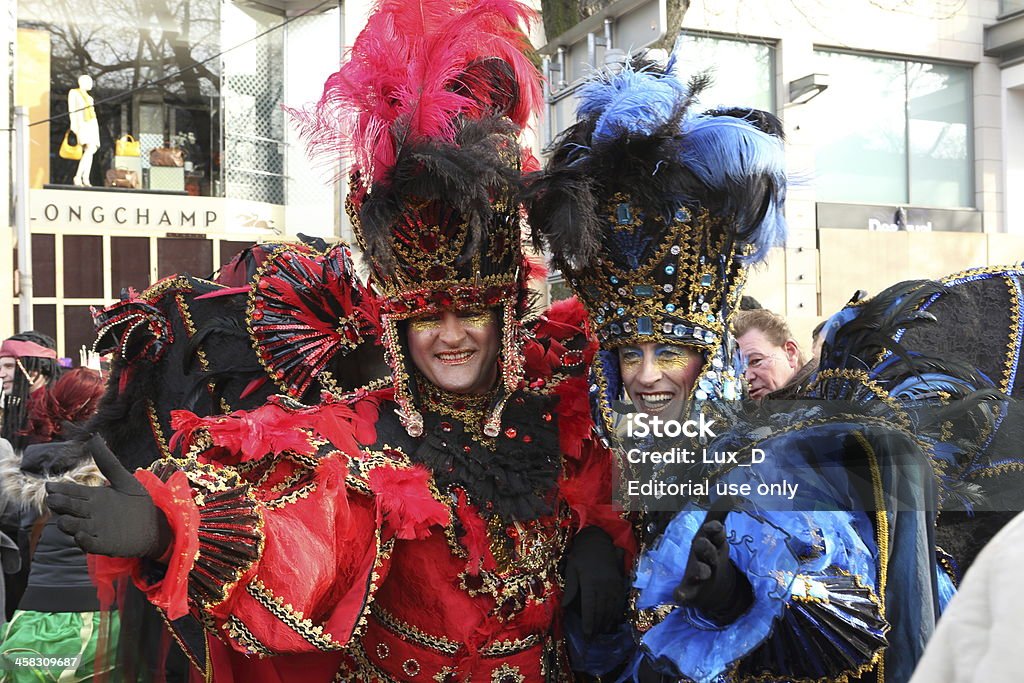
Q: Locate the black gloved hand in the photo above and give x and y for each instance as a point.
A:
(594, 574)
(711, 582)
(119, 520)
(54, 457)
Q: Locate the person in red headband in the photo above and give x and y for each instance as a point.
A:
(28, 362)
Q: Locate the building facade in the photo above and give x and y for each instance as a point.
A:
(208, 79)
(903, 121)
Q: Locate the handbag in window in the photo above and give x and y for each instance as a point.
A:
(70, 149)
(122, 177)
(127, 146)
(167, 156)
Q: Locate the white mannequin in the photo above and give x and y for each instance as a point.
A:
(85, 126)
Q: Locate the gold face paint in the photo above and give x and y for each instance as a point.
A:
(666, 358)
(468, 318)
(631, 358)
(476, 318)
(671, 359)
(425, 323)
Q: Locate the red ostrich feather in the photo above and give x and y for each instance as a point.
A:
(413, 71)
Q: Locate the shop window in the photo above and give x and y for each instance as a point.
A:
(908, 141)
(44, 318)
(44, 281)
(129, 263)
(154, 76)
(83, 267)
(743, 70)
(191, 256)
(78, 331)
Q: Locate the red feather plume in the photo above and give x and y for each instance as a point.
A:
(408, 79)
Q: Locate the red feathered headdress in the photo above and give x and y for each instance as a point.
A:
(429, 108)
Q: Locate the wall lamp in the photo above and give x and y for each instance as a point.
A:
(805, 89)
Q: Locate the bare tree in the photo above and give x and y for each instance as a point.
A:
(561, 15)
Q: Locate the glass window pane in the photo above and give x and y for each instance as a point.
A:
(939, 107)
(129, 263)
(743, 71)
(44, 282)
(192, 256)
(78, 330)
(83, 267)
(44, 319)
(123, 47)
(862, 157)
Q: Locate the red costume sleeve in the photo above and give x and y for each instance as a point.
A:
(280, 559)
(280, 540)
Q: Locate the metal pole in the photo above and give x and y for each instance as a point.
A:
(21, 219)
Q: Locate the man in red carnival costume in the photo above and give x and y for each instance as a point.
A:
(415, 533)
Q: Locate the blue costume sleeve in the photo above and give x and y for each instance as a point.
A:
(815, 611)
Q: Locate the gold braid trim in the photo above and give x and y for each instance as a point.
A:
(287, 499)
(403, 629)
(883, 537)
(1014, 343)
(364, 670)
(409, 632)
(243, 636)
(861, 376)
(292, 618)
(158, 431)
(384, 550)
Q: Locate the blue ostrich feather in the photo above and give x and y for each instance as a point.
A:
(725, 152)
(631, 102)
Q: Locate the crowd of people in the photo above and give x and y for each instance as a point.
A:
(259, 503)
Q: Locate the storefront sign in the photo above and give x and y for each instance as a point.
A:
(880, 218)
(69, 209)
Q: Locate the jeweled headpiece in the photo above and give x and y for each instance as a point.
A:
(654, 214)
(430, 106)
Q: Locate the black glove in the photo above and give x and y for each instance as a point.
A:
(594, 574)
(54, 457)
(711, 582)
(119, 520)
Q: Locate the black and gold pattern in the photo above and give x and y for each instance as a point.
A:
(659, 279)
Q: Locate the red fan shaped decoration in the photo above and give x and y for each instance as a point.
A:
(304, 309)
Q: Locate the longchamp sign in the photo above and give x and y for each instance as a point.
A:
(71, 209)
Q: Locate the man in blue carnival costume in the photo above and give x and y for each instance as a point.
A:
(654, 215)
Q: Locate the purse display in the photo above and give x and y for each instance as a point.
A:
(122, 177)
(167, 156)
(127, 146)
(68, 149)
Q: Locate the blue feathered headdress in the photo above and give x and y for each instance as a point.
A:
(654, 213)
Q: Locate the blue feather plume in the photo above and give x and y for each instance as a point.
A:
(635, 101)
(729, 154)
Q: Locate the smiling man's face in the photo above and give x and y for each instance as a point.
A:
(659, 377)
(456, 350)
